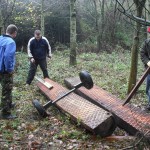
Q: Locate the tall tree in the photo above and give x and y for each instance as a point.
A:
(99, 19)
(97, 22)
(1, 22)
(42, 18)
(148, 15)
(73, 36)
(135, 46)
(101, 30)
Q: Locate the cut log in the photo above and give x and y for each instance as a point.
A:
(93, 118)
(130, 118)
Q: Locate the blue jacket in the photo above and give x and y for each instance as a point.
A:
(7, 54)
(39, 49)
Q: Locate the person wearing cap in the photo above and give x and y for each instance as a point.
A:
(38, 49)
(7, 64)
(145, 57)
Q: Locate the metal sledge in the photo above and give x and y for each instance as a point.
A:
(86, 81)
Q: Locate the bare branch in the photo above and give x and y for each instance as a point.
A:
(133, 17)
(10, 11)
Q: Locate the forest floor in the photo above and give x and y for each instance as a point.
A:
(58, 132)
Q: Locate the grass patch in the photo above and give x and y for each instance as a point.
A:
(109, 71)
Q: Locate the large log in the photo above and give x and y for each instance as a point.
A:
(93, 118)
(130, 118)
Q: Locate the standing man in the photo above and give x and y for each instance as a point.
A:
(145, 57)
(7, 63)
(38, 49)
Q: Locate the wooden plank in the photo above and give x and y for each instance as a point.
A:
(90, 116)
(48, 85)
(128, 117)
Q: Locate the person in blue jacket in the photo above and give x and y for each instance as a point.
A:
(38, 49)
(7, 63)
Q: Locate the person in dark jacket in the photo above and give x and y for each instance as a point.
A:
(145, 57)
(38, 49)
(7, 63)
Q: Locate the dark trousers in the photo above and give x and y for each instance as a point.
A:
(148, 88)
(7, 86)
(33, 67)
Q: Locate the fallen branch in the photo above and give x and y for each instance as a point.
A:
(136, 144)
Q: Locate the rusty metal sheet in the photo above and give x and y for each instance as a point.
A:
(90, 116)
(128, 117)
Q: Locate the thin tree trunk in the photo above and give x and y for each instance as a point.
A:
(73, 33)
(102, 24)
(42, 17)
(97, 23)
(1, 22)
(148, 14)
(100, 27)
(135, 47)
(134, 62)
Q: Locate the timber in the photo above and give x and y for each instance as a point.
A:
(130, 118)
(48, 85)
(90, 116)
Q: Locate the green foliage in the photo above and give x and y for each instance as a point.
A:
(88, 45)
(78, 121)
(72, 134)
(124, 38)
(26, 17)
(85, 28)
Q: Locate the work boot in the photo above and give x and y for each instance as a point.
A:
(27, 85)
(8, 116)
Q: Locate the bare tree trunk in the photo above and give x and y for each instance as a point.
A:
(97, 23)
(101, 31)
(1, 22)
(135, 47)
(73, 33)
(42, 17)
(148, 15)
(99, 8)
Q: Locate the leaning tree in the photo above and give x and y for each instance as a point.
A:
(73, 44)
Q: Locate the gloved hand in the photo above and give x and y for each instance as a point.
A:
(32, 60)
(148, 64)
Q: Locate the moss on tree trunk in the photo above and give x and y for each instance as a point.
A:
(1, 22)
(42, 17)
(73, 33)
(135, 48)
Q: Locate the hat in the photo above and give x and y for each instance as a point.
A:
(148, 29)
(37, 32)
